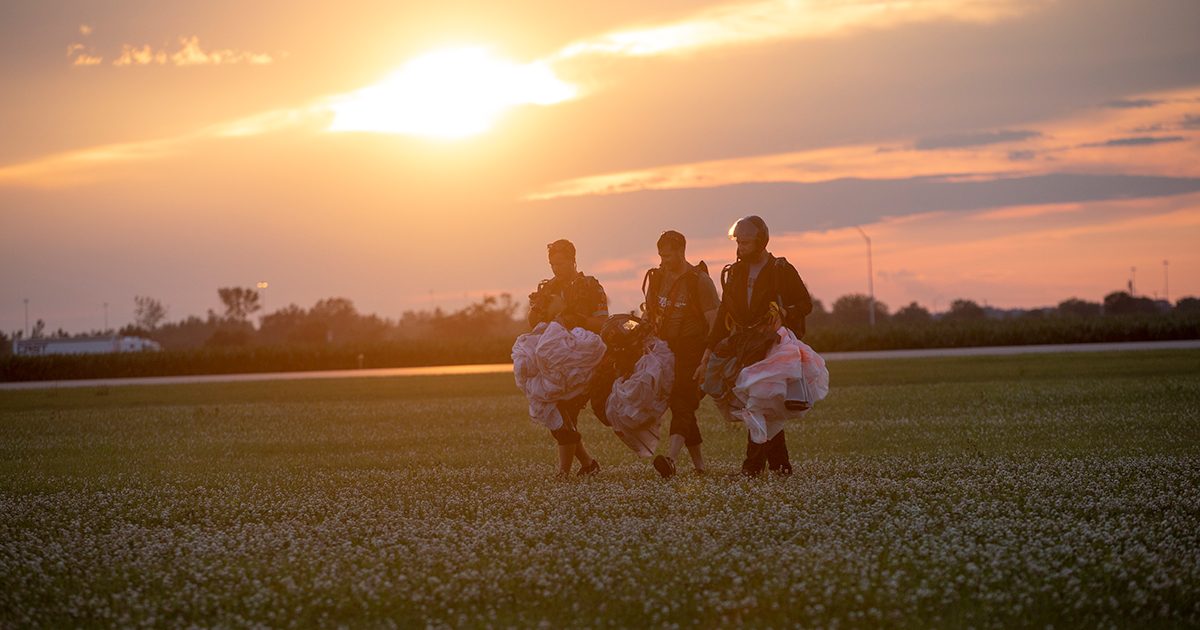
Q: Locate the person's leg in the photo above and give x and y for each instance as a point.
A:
(585, 459)
(685, 400)
(697, 458)
(676, 444)
(756, 458)
(566, 454)
(568, 437)
(777, 455)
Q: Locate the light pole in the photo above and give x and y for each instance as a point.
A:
(26, 318)
(262, 289)
(105, 331)
(870, 275)
(1133, 282)
(1166, 285)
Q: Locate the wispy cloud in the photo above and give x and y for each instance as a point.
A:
(774, 20)
(188, 53)
(1083, 144)
(1133, 103)
(140, 56)
(1139, 141)
(80, 167)
(193, 55)
(960, 140)
(85, 59)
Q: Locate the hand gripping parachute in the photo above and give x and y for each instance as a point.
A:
(636, 405)
(552, 364)
(783, 385)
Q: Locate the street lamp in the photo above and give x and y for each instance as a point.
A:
(262, 288)
(870, 275)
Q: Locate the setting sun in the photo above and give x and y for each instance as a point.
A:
(449, 94)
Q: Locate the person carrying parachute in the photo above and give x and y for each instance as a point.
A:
(755, 366)
(632, 387)
(681, 305)
(554, 364)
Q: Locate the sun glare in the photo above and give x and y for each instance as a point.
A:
(449, 94)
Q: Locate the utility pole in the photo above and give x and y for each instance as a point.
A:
(870, 275)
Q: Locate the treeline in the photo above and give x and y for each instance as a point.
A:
(334, 335)
(1018, 331)
(330, 321)
(855, 309)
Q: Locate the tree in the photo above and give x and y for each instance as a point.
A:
(148, 312)
(819, 317)
(1122, 303)
(39, 330)
(856, 309)
(964, 310)
(1075, 307)
(1188, 305)
(277, 327)
(912, 314)
(239, 303)
(489, 316)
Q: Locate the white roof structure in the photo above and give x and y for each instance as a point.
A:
(82, 345)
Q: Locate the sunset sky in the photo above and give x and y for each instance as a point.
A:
(408, 155)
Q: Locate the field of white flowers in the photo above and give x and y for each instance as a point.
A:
(1072, 502)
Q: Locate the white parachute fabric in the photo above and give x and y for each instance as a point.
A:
(762, 387)
(637, 404)
(552, 364)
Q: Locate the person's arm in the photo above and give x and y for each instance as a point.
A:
(600, 313)
(797, 301)
(536, 314)
(717, 332)
(709, 301)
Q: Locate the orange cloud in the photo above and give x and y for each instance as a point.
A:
(140, 56)
(1156, 140)
(774, 20)
(192, 54)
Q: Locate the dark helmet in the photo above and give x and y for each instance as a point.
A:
(751, 227)
(622, 331)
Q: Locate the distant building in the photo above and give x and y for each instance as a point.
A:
(82, 345)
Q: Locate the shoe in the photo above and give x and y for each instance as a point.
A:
(783, 471)
(665, 466)
(589, 470)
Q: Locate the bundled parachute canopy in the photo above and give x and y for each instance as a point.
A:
(552, 364)
(783, 385)
(636, 405)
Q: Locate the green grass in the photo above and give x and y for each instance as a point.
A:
(1027, 490)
